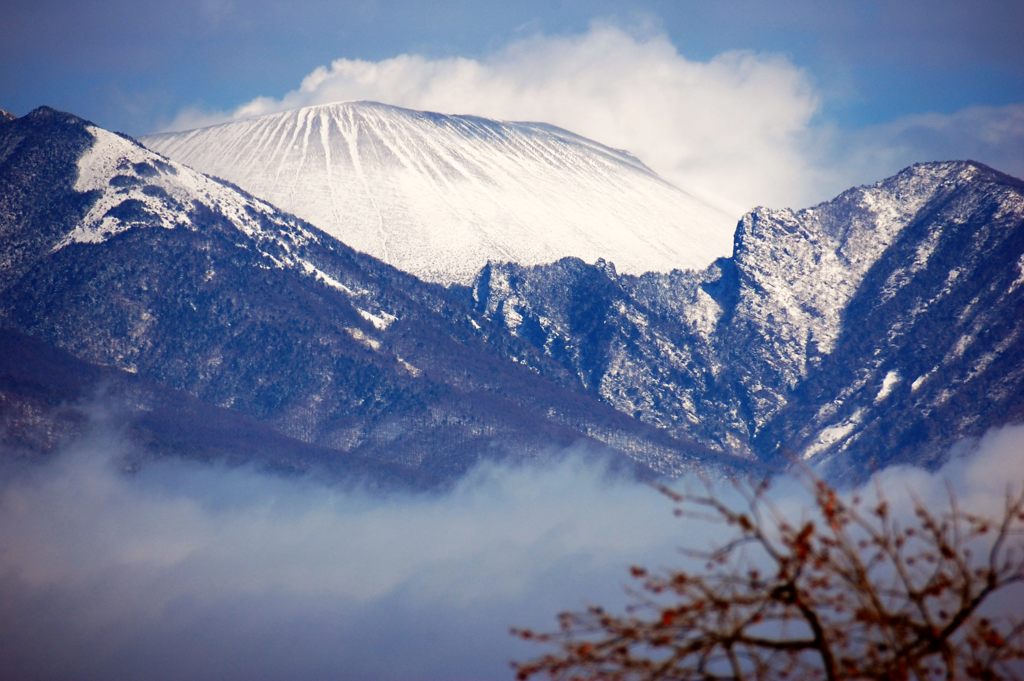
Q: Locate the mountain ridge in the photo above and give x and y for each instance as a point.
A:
(126, 259)
(736, 355)
(136, 262)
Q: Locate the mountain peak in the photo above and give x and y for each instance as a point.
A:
(48, 113)
(440, 195)
(956, 171)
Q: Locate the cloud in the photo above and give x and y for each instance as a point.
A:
(740, 129)
(185, 571)
(717, 128)
(191, 571)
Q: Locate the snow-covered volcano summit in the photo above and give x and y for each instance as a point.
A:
(440, 196)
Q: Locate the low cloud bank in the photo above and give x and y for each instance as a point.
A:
(191, 571)
(740, 129)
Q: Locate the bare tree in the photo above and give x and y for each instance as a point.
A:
(851, 591)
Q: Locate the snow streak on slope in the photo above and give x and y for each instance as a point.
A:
(440, 196)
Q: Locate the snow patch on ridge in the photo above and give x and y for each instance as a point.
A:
(1020, 275)
(380, 321)
(888, 383)
(359, 336)
(138, 189)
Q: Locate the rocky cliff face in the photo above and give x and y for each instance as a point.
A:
(821, 335)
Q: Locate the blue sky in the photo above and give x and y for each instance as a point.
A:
(870, 67)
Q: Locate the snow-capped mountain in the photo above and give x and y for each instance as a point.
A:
(130, 261)
(881, 326)
(439, 196)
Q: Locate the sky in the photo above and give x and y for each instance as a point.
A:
(743, 103)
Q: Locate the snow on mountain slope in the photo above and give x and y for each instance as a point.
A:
(440, 196)
(799, 270)
(136, 188)
(127, 261)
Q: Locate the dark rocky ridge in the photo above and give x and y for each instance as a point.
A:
(782, 350)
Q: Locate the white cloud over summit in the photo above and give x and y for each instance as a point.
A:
(740, 129)
(706, 126)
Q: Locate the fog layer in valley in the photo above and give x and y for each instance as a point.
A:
(191, 571)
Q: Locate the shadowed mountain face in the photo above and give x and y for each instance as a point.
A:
(881, 326)
(126, 260)
(439, 196)
(50, 398)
